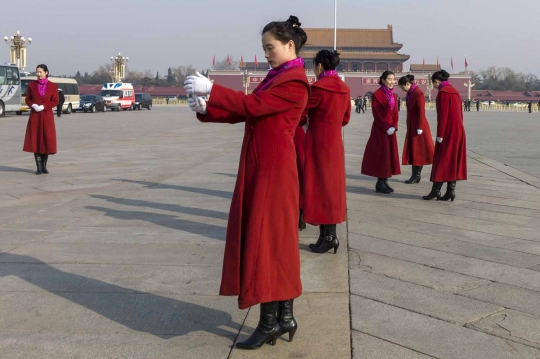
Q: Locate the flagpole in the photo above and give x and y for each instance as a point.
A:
(335, 25)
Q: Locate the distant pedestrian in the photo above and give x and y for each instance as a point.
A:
(450, 158)
(530, 106)
(477, 105)
(362, 104)
(365, 103)
(398, 104)
(357, 105)
(40, 139)
(61, 100)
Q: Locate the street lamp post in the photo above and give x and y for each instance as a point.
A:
(18, 46)
(429, 86)
(470, 86)
(246, 80)
(119, 67)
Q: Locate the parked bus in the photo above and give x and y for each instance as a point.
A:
(69, 87)
(10, 89)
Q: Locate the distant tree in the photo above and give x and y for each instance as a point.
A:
(505, 79)
(224, 65)
(170, 77)
(182, 72)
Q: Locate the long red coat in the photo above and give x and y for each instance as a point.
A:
(262, 257)
(300, 144)
(418, 149)
(40, 130)
(381, 157)
(328, 109)
(450, 159)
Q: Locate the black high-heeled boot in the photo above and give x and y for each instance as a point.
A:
(435, 192)
(44, 159)
(321, 237)
(37, 157)
(286, 318)
(268, 329)
(301, 223)
(380, 187)
(450, 192)
(330, 240)
(388, 186)
(415, 177)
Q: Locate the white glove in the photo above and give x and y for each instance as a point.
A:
(419, 131)
(198, 84)
(439, 139)
(41, 108)
(390, 131)
(35, 107)
(197, 104)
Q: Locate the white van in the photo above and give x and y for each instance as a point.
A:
(118, 96)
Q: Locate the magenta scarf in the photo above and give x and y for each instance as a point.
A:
(411, 90)
(273, 73)
(42, 86)
(389, 93)
(328, 73)
(444, 83)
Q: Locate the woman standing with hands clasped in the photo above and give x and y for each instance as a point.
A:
(262, 258)
(381, 158)
(328, 109)
(450, 159)
(418, 147)
(40, 139)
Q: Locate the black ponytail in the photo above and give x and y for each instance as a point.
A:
(328, 59)
(286, 31)
(407, 79)
(440, 75)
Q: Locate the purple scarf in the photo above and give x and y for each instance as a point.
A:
(273, 73)
(389, 93)
(411, 90)
(444, 83)
(42, 86)
(328, 73)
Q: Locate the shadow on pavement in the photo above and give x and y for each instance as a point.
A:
(371, 192)
(140, 311)
(206, 191)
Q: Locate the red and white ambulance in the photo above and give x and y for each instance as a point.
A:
(118, 96)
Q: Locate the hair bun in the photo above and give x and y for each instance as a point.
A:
(294, 21)
(410, 77)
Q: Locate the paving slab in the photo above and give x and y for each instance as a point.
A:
(368, 347)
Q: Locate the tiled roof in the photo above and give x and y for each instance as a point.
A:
(367, 38)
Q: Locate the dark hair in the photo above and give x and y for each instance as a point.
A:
(407, 79)
(440, 75)
(43, 67)
(328, 59)
(384, 76)
(286, 31)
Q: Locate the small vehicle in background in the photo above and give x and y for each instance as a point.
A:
(143, 100)
(91, 103)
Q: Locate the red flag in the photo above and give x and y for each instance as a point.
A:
(452, 62)
(256, 61)
(228, 59)
(466, 63)
(214, 60)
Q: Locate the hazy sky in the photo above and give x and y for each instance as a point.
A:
(155, 34)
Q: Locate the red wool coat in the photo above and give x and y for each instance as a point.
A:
(381, 157)
(418, 149)
(328, 109)
(40, 130)
(299, 144)
(262, 257)
(450, 159)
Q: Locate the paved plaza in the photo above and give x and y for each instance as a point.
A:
(117, 252)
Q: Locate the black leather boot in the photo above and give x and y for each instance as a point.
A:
(388, 186)
(286, 318)
(330, 240)
(44, 159)
(268, 329)
(415, 178)
(380, 187)
(435, 192)
(37, 157)
(450, 192)
(321, 237)
(301, 223)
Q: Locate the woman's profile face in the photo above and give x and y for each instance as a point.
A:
(406, 87)
(41, 74)
(436, 84)
(318, 69)
(276, 52)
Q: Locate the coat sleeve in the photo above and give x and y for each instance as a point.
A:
(395, 113)
(313, 101)
(443, 110)
(29, 96)
(51, 102)
(277, 99)
(220, 116)
(347, 116)
(420, 120)
(378, 117)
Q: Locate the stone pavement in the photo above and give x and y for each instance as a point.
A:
(117, 253)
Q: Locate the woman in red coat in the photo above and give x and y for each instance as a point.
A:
(40, 139)
(300, 144)
(262, 258)
(418, 148)
(381, 158)
(450, 160)
(328, 110)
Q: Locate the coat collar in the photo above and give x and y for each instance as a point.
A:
(415, 95)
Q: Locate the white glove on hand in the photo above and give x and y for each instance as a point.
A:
(41, 108)
(197, 104)
(198, 84)
(419, 131)
(390, 131)
(439, 139)
(35, 107)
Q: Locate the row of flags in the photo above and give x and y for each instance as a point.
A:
(451, 62)
(241, 60)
